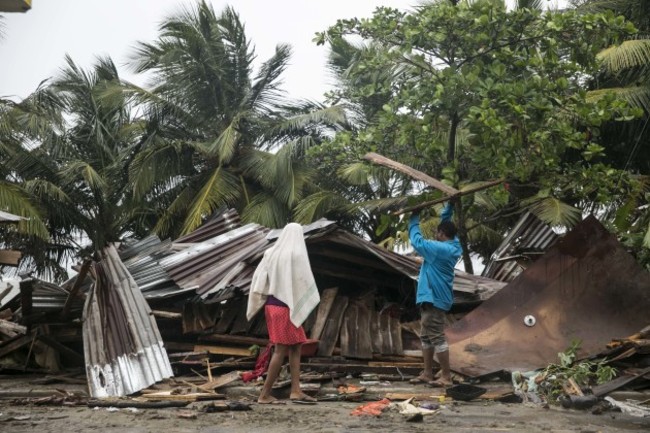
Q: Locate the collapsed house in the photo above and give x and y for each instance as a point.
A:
(586, 286)
(196, 289)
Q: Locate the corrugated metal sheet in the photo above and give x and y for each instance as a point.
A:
(142, 260)
(123, 349)
(526, 242)
(223, 223)
(586, 288)
(221, 267)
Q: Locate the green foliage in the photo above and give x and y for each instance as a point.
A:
(470, 91)
(584, 373)
(219, 134)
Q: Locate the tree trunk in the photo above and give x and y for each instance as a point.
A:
(458, 206)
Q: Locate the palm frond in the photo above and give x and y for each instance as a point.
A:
(265, 93)
(315, 206)
(267, 210)
(357, 173)
(553, 211)
(225, 145)
(82, 170)
(635, 96)
(14, 200)
(630, 54)
(221, 188)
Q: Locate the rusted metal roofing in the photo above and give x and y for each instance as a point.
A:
(527, 241)
(123, 349)
(586, 287)
(222, 223)
(220, 267)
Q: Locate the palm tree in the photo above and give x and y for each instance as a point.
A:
(75, 140)
(626, 73)
(220, 136)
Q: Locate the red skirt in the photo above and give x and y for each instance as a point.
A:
(281, 330)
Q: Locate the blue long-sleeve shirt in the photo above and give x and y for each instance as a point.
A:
(435, 284)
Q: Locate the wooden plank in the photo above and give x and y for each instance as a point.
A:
(415, 174)
(241, 325)
(395, 364)
(355, 332)
(10, 257)
(619, 382)
(220, 381)
(395, 328)
(230, 312)
(376, 339)
(166, 314)
(222, 350)
(6, 347)
(74, 291)
(429, 396)
(137, 404)
(332, 327)
(324, 307)
(6, 325)
(426, 204)
(384, 330)
(62, 349)
(364, 368)
(235, 339)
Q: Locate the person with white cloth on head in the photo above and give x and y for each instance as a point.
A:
(284, 285)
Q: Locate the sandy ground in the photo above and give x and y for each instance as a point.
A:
(324, 417)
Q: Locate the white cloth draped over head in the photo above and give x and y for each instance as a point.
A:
(285, 273)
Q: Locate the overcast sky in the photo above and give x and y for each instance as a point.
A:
(35, 43)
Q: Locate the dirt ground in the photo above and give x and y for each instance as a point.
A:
(324, 417)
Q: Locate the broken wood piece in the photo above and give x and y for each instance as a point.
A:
(10, 257)
(415, 174)
(16, 343)
(222, 350)
(395, 364)
(221, 381)
(136, 404)
(169, 395)
(330, 334)
(575, 387)
(418, 396)
(74, 291)
(324, 307)
(235, 339)
(427, 204)
(167, 314)
(12, 327)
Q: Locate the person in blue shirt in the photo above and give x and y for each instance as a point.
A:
(434, 295)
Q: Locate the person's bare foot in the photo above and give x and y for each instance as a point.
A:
(301, 397)
(441, 382)
(268, 400)
(423, 378)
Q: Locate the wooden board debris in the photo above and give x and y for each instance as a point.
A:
(330, 334)
(326, 301)
(221, 381)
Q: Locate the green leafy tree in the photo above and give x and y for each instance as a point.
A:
(357, 194)
(506, 91)
(220, 135)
